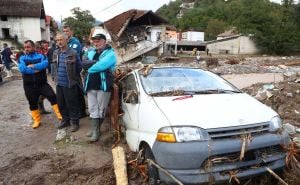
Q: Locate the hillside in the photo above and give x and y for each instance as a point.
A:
(274, 27)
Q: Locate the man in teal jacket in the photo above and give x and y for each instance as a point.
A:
(101, 65)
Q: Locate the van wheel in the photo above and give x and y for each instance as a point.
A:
(153, 176)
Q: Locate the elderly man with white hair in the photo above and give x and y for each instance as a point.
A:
(66, 67)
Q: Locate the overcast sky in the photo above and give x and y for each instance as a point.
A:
(102, 10)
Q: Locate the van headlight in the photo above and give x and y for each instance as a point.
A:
(275, 124)
(181, 134)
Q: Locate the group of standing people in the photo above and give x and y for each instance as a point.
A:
(66, 66)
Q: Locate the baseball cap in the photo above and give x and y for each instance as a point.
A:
(99, 36)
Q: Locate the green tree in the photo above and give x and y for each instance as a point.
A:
(82, 21)
(275, 27)
(214, 27)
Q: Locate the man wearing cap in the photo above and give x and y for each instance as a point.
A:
(101, 64)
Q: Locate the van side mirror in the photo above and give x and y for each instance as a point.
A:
(131, 97)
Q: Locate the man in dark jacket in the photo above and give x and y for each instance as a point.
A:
(74, 43)
(6, 53)
(66, 73)
(33, 68)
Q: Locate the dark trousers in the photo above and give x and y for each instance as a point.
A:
(68, 102)
(81, 103)
(7, 64)
(33, 92)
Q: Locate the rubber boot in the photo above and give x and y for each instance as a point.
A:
(41, 106)
(90, 133)
(74, 125)
(56, 111)
(64, 123)
(95, 129)
(9, 74)
(36, 118)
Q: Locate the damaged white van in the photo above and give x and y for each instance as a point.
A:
(198, 126)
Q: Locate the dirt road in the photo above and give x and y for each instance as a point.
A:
(30, 156)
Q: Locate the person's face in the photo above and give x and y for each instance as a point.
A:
(68, 32)
(99, 43)
(61, 41)
(28, 48)
(45, 45)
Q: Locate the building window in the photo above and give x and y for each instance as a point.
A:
(3, 17)
(5, 33)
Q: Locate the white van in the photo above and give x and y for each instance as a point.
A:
(196, 125)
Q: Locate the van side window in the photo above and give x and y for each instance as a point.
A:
(129, 89)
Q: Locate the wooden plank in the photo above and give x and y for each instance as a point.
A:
(120, 165)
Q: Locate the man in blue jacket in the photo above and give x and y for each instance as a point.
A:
(99, 81)
(33, 67)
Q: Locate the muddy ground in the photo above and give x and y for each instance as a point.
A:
(33, 157)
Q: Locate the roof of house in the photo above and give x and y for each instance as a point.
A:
(223, 39)
(229, 33)
(24, 8)
(132, 17)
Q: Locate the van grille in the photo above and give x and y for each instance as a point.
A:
(228, 132)
(249, 155)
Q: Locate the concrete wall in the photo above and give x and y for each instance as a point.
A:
(238, 45)
(31, 29)
(24, 27)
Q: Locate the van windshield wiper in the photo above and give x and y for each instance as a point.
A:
(216, 91)
(173, 93)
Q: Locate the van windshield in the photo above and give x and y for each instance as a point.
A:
(164, 81)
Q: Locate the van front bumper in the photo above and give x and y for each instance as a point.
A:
(195, 162)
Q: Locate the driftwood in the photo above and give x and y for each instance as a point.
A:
(120, 165)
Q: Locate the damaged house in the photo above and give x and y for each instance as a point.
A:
(21, 20)
(137, 33)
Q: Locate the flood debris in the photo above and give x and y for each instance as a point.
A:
(293, 157)
(246, 139)
(276, 176)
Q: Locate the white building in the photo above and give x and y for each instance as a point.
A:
(22, 20)
(192, 36)
(238, 44)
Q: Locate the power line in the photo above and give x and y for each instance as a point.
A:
(108, 7)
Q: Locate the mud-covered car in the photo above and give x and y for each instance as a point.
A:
(198, 127)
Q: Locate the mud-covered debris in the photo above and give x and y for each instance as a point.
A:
(61, 134)
(290, 76)
(263, 94)
(291, 129)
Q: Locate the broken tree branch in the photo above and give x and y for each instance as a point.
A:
(120, 165)
(276, 176)
(243, 149)
(151, 162)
